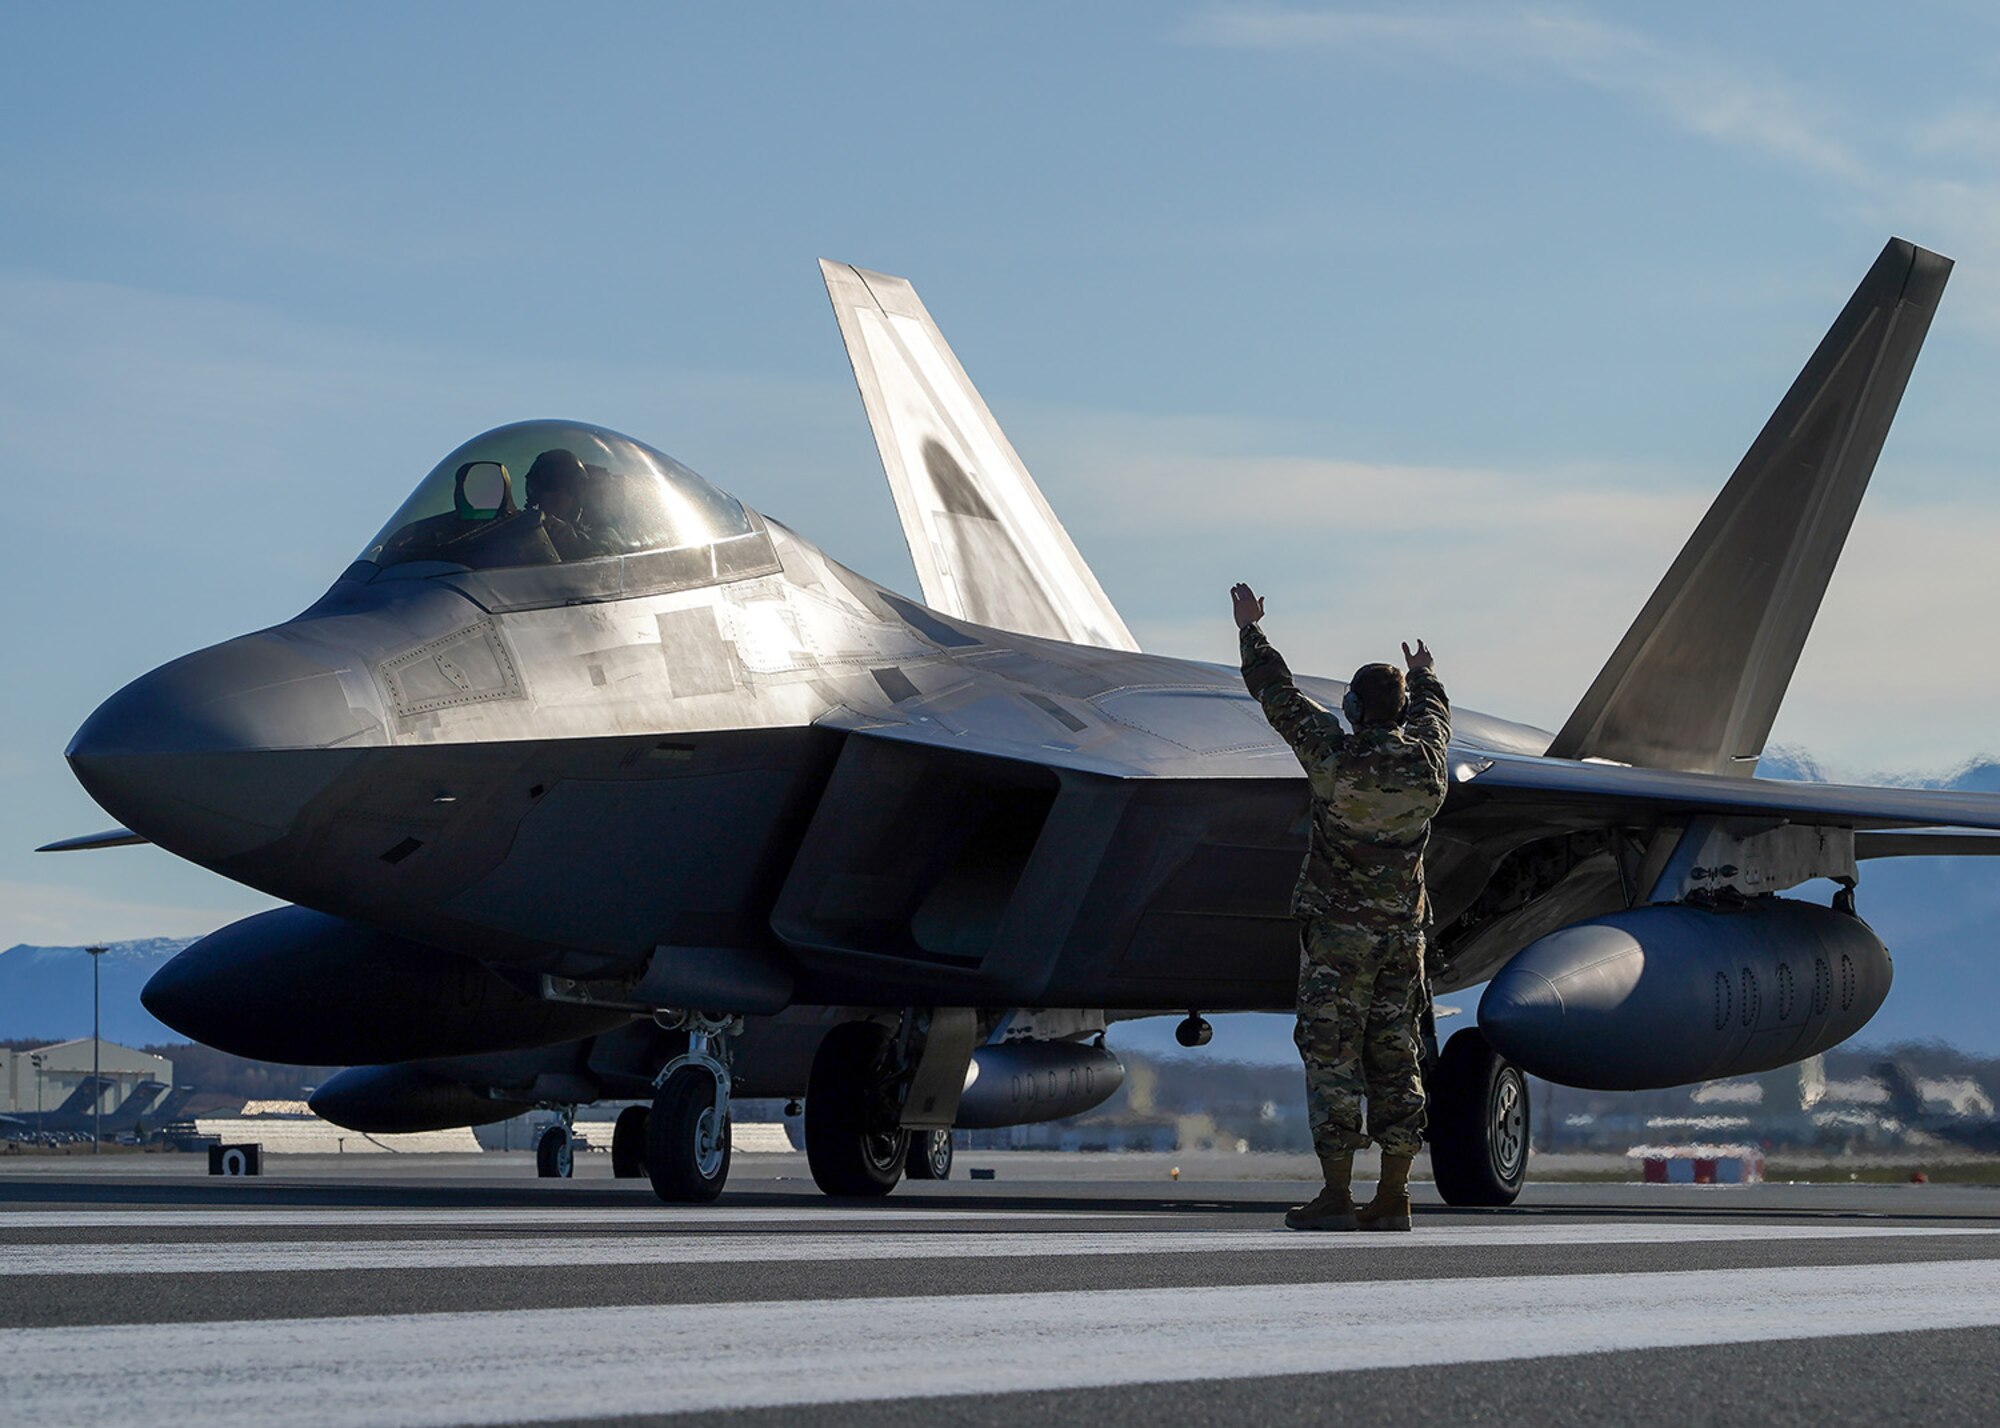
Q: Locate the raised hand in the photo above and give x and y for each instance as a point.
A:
(1420, 660)
(1249, 608)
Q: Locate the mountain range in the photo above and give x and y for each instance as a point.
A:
(45, 991)
(1939, 916)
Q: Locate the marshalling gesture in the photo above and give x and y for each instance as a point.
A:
(1376, 784)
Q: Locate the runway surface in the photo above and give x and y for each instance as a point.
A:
(470, 1294)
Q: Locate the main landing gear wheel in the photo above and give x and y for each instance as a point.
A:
(853, 1143)
(687, 1139)
(1479, 1123)
(555, 1154)
(930, 1155)
(628, 1143)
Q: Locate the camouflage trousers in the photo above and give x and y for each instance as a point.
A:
(1360, 993)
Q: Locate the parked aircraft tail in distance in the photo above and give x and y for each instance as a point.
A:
(72, 1116)
(1968, 1129)
(1697, 680)
(1905, 1099)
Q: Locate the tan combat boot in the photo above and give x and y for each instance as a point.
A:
(1390, 1209)
(1333, 1207)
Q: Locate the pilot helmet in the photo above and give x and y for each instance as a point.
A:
(557, 469)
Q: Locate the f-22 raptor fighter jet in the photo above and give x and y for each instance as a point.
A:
(587, 781)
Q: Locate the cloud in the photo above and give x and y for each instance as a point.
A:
(1523, 579)
(1697, 92)
(1934, 178)
(1888, 679)
(1961, 133)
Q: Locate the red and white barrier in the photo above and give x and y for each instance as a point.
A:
(1699, 1164)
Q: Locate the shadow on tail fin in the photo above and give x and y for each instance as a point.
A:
(986, 545)
(1696, 682)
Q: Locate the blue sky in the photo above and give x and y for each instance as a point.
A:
(1429, 320)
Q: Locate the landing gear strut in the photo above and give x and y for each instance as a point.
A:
(687, 1129)
(854, 1143)
(1479, 1123)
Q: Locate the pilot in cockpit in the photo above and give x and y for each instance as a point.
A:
(555, 489)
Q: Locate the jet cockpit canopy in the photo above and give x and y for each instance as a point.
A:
(540, 493)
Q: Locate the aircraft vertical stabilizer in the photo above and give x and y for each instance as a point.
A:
(986, 545)
(1696, 682)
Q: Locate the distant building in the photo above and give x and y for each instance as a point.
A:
(291, 1128)
(1944, 1095)
(65, 1065)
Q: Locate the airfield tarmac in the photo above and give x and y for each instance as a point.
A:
(355, 1290)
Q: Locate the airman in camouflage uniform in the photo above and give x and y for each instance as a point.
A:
(1363, 909)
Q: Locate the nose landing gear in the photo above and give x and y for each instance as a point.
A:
(686, 1135)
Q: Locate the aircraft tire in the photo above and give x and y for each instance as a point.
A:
(628, 1143)
(555, 1154)
(848, 1151)
(930, 1155)
(687, 1154)
(1479, 1123)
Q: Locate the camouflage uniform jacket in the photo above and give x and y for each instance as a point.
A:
(1374, 793)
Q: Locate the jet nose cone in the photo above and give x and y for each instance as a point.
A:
(185, 755)
(258, 692)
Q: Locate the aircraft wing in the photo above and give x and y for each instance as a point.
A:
(110, 838)
(1927, 843)
(1616, 793)
(1889, 821)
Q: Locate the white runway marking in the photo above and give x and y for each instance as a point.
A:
(578, 1251)
(86, 1217)
(434, 1369)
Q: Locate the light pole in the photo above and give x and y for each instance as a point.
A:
(40, 1129)
(96, 1044)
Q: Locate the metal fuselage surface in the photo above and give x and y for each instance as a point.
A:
(542, 770)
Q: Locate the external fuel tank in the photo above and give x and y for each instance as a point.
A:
(1674, 993)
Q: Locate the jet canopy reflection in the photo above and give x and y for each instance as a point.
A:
(554, 493)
